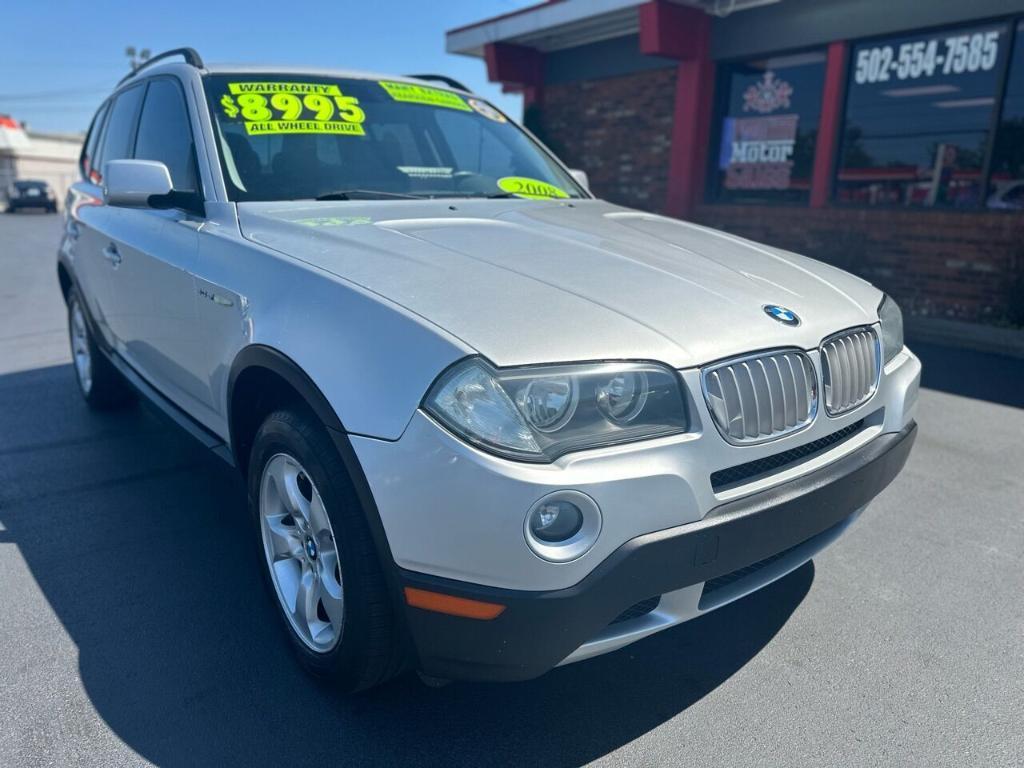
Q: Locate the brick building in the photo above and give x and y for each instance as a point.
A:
(884, 136)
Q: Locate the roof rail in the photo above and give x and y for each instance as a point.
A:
(191, 56)
(442, 79)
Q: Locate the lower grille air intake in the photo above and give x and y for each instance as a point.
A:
(741, 473)
(636, 611)
(714, 585)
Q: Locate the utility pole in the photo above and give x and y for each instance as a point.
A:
(136, 58)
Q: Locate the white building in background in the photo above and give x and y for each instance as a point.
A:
(27, 154)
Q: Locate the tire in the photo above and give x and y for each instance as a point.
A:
(354, 642)
(101, 384)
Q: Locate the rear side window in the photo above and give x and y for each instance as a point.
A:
(165, 133)
(88, 164)
(117, 137)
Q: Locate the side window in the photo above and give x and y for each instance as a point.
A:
(116, 144)
(87, 162)
(165, 133)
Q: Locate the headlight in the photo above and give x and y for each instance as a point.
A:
(541, 413)
(548, 404)
(892, 327)
(623, 396)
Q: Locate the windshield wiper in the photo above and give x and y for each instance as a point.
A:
(366, 194)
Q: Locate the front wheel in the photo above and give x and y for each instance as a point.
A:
(321, 564)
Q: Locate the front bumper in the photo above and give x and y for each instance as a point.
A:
(538, 630)
(452, 511)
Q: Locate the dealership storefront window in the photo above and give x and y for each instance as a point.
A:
(932, 118)
(768, 129)
(919, 117)
(1006, 188)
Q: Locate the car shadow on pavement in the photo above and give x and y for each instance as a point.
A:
(139, 541)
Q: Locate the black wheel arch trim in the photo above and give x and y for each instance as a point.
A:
(262, 356)
(74, 285)
(65, 266)
(275, 361)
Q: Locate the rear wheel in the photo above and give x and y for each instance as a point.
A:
(319, 557)
(100, 383)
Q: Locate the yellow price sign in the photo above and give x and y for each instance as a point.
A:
(267, 108)
(533, 189)
(422, 94)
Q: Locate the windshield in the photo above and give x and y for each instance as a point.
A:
(302, 137)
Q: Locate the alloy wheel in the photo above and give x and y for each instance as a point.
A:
(301, 553)
(80, 347)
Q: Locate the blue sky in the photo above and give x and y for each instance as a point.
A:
(60, 58)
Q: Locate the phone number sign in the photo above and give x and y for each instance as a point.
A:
(946, 54)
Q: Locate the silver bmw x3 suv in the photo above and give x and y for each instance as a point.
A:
(489, 423)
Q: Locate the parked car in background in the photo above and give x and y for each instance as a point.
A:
(1009, 195)
(29, 193)
(490, 424)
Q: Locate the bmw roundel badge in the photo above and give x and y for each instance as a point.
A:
(783, 315)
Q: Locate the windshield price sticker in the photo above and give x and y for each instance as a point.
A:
(955, 55)
(267, 108)
(421, 94)
(533, 189)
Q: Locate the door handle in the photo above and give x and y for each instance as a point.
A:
(112, 255)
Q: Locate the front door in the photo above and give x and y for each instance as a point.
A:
(152, 299)
(153, 293)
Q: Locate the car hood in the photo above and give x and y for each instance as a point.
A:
(526, 282)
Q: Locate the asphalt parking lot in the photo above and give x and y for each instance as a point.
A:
(134, 627)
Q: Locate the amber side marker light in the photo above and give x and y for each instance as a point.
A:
(453, 606)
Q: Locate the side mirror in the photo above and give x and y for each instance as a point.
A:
(131, 183)
(581, 178)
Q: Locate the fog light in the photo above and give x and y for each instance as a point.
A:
(562, 526)
(554, 521)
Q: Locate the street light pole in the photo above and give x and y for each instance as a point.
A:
(136, 58)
